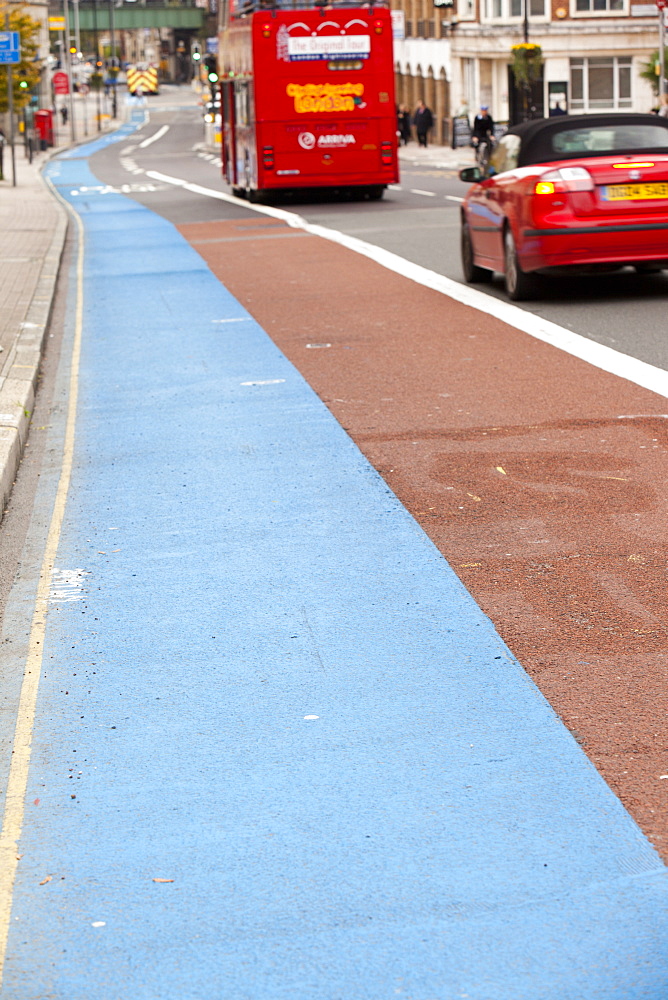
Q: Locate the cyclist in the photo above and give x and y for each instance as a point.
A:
(482, 138)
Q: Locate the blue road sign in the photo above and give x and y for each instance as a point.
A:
(10, 47)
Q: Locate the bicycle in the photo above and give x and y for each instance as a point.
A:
(483, 146)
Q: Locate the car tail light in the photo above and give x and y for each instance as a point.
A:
(632, 166)
(565, 180)
(268, 157)
(386, 154)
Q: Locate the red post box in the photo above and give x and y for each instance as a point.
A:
(44, 127)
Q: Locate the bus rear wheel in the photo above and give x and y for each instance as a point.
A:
(374, 192)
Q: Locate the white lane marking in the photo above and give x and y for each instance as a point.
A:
(394, 187)
(266, 381)
(123, 189)
(606, 358)
(128, 164)
(154, 138)
(67, 585)
(453, 197)
(427, 194)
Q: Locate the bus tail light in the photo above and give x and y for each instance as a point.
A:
(378, 26)
(266, 30)
(387, 154)
(268, 157)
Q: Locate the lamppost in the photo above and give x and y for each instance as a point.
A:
(97, 76)
(67, 58)
(10, 104)
(113, 69)
(661, 4)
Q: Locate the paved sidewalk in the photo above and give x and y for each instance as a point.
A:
(440, 157)
(33, 225)
(32, 235)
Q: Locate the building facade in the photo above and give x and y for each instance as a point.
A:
(459, 57)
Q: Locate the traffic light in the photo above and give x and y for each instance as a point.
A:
(197, 55)
(211, 68)
(73, 50)
(23, 83)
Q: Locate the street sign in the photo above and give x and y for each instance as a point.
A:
(61, 83)
(57, 23)
(661, 4)
(10, 47)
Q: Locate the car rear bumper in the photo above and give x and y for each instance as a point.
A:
(609, 244)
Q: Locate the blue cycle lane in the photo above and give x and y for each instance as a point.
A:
(278, 750)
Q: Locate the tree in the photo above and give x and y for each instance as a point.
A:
(650, 70)
(26, 74)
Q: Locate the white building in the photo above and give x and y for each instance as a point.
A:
(593, 53)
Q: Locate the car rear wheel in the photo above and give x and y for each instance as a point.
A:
(472, 273)
(519, 284)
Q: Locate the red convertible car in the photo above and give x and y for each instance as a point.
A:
(572, 194)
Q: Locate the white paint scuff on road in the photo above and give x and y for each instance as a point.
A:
(605, 358)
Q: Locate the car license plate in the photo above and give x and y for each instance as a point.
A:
(634, 192)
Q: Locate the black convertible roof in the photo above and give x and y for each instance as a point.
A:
(537, 136)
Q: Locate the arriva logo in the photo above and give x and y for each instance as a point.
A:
(306, 140)
(336, 140)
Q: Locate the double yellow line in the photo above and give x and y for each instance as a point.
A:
(13, 818)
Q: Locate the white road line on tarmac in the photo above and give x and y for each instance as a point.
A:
(154, 138)
(606, 358)
(453, 197)
(428, 194)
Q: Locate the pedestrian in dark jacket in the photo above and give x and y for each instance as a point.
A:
(404, 124)
(423, 121)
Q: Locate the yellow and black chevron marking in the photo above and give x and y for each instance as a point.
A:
(145, 80)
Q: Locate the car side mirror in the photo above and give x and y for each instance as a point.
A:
(470, 175)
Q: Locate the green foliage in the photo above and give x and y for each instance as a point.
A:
(527, 63)
(650, 69)
(28, 70)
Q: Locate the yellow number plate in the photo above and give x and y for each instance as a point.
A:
(634, 192)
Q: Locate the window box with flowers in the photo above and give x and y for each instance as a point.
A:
(527, 63)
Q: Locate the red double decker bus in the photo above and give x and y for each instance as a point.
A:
(307, 99)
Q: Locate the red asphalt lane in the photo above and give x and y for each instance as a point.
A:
(540, 478)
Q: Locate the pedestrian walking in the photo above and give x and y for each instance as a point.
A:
(404, 124)
(63, 114)
(423, 121)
